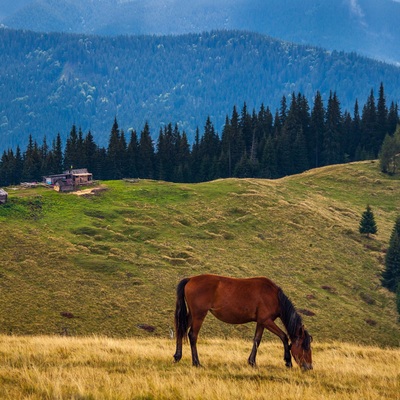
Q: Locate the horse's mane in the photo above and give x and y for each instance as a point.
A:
(291, 319)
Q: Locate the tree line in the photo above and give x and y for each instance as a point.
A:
(256, 144)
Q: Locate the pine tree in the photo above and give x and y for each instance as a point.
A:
(71, 150)
(182, 169)
(116, 153)
(57, 166)
(389, 153)
(317, 127)
(245, 125)
(19, 164)
(370, 137)
(355, 141)
(6, 163)
(367, 223)
(332, 152)
(393, 118)
(196, 158)
(226, 150)
(32, 162)
(391, 274)
(146, 154)
(381, 116)
(90, 151)
(132, 156)
(237, 144)
(269, 165)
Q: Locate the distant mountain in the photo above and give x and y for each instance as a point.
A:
(369, 27)
(50, 81)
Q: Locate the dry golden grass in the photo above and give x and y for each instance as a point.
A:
(46, 367)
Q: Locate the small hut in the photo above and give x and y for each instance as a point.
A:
(80, 176)
(64, 185)
(3, 196)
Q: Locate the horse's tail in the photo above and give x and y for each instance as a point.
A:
(181, 313)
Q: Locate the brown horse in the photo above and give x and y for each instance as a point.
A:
(238, 301)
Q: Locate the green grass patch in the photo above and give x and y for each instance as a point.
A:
(115, 257)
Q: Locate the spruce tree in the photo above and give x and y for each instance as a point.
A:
(317, 127)
(71, 150)
(393, 118)
(225, 160)
(332, 152)
(146, 154)
(391, 274)
(367, 223)
(381, 116)
(370, 137)
(132, 156)
(389, 153)
(90, 149)
(57, 155)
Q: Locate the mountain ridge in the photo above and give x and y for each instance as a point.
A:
(368, 27)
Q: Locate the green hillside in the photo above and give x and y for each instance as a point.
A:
(108, 262)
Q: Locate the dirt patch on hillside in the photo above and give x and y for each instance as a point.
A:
(90, 191)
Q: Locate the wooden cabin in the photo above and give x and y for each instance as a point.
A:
(68, 180)
(80, 176)
(3, 196)
(63, 185)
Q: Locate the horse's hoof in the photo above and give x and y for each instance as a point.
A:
(289, 364)
(252, 363)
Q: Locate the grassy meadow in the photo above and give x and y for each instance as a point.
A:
(42, 367)
(107, 262)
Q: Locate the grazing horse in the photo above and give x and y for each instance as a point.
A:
(238, 301)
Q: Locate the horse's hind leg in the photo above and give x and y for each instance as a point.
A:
(193, 334)
(256, 343)
(178, 352)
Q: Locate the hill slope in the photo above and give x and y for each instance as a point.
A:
(51, 81)
(108, 263)
(369, 27)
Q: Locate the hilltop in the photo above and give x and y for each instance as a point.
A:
(107, 263)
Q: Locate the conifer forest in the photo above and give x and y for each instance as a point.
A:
(253, 143)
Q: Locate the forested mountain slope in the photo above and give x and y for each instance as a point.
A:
(50, 81)
(369, 27)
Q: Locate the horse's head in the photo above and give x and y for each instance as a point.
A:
(301, 349)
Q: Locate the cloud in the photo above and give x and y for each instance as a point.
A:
(356, 9)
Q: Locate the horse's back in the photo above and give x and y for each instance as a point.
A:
(211, 281)
(233, 300)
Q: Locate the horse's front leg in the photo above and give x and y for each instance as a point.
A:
(256, 343)
(272, 327)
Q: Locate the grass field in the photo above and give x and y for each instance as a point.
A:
(39, 368)
(108, 263)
